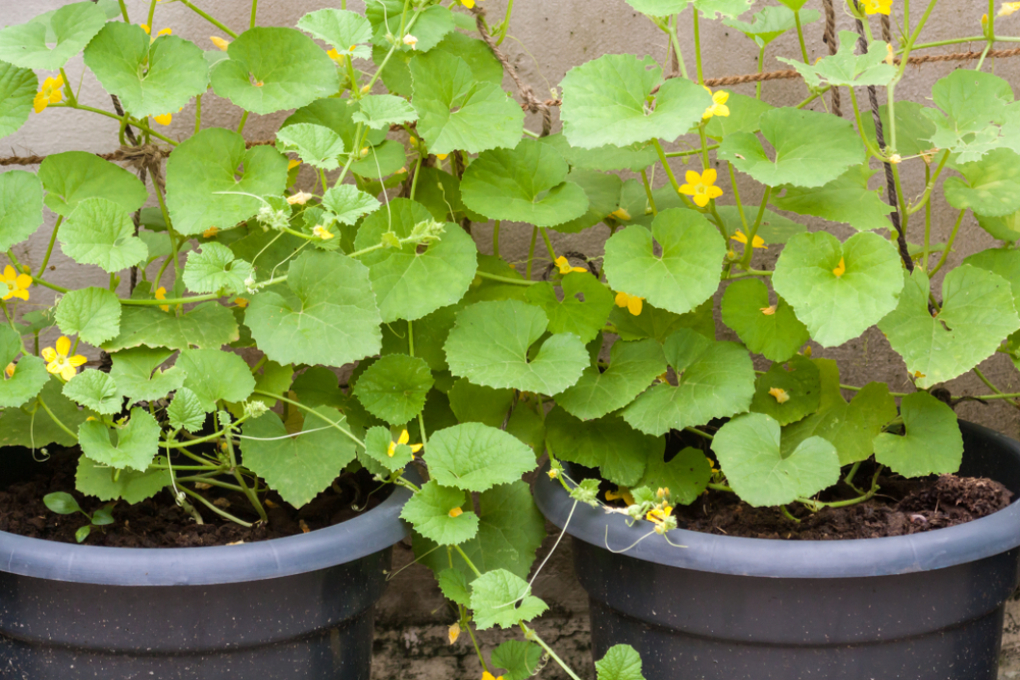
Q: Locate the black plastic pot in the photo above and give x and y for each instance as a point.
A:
(295, 608)
(924, 607)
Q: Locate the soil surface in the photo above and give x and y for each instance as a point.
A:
(159, 522)
(902, 506)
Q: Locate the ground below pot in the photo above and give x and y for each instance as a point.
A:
(925, 606)
(294, 608)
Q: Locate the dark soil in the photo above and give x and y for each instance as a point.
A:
(903, 506)
(159, 522)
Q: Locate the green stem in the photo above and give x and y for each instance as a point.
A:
(244, 119)
(860, 127)
(136, 123)
(174, 244)
(254, 10)
(49, 248)
(530, 634)
(929, 185)
(198, 114)
(736, 195)
(393, 48)
(495, 239)
(152, 13)
(761, 67)
(124, 12)
(505, 279)
(949, 244)
(309, 410)
(700, 433)
(673, 38)
(720, 487)
(648, 192)
(788, 515)
(749, 246)
(849, 479)
(988, 382)
(218, 511)
(531, 252)
(692, 152)
(548, 244)
(670, 175)
(55, 419)
(210, 481)
(207, 17)
(800, 36)
(471, 565)
(414, 181)
(697, 46)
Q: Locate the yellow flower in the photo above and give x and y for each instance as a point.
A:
(325, 234)
(768, 311)
(553, 473)
(565, 268)
(51, 92)
(621, 494)
(336, 56)
(17, 284)
(442, 156)
(165, 119)
(293, 164)
(411, 41)
(403, 439)
(1008, 8)
(241, 302)
(221, 43)
(455, 513)
(9, 371)
(470, 4)
(780, 395)
(633, 303)
(840, 268)
(161, 295)
(659, 515)
(147, 29)
(211, 232)
(59, 362)
(487, 675)
(621, 214)
(300, 198)
(453, 633)
(877, 6)
(701, 187)
(718, 107)
(758, 241)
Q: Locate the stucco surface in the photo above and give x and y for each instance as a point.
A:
(548, 37)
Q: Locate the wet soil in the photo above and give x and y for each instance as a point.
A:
(159, 522)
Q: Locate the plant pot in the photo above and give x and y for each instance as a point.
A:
(295, 608)
(924, 606)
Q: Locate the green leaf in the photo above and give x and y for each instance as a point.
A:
(603, 191)
(29, 378)
(932, 443)
(138, 376)
(478, 404)
(659, 324)
(1003, 228)
(659, 8)
(770, 23)
(847, 68)
(348, 204)
(100, 232)
(95, 390)
(972, 103)
(68, 30)
(472, 354)
(686, 475)
(93, 479)
(430, 512)
(430, 333)
(801, 388)
(61, 503)
(795, 5)
(205, 165)
(852, 427)
(710, 9)
(432, 25)
(378, 441)
(846, 199)
(92, 313)
(21, 201)
(991, 186)
(619, 452)
(1002, 261)
(681, 278)
(976, 316)
(839, 308)
(771, 330)
(74, 176)
(913, 128)
(269, 69)
(520, 658)
(394, 388)
(476, 457)
(208, 325)
(348, 32)
(715, 380)
(301, 465)
(605, 101)
(524, 184)
(745, 114)
(583, 311)
(32, 427)
(455, 587)
(326, 316)
(635, 157)
(774, 228)
(632, 368)
(411, 284)
(214, 375)
(136, 446)
(214, 269)
(748, 448)
(483, 63)
(380, 111)
(17, 93)
(458, 112)
(501, 598)
(150, 79)
(10, 344)
(317, 145)
(811, 149)
(621, 662)
(185, 412)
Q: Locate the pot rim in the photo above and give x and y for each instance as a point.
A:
(366, 534)
(772, 558)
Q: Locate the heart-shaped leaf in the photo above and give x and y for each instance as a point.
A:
(73, 176)
(847, 68)
(846, 199)
(771, 330)
(603, 191)
(316, 145)
(208, 325)
(605, 101)
(472, 353)
(99, 232)
(632, 368)
(659, 8)
(681, 278)
(520, 658)
(93, 479)
(748, 448)
(137, 442)
(788, 391)
(185, 412)
(270, 69)
(215, 269)
(214, 375)
(150, 79)
(435, 513)
(991, 186)
(584, 309)
(21, 201)
(811, 148)
(745, 116)
(139, 378)
(203, 180)
(619, 451)
(92, 313)
(621, 662)
(973, 104)
(29, 378)
(68, 30)
(770, 23)
(328, 316)
(977, 314)
(26, 427)
(380, 111)
(715, 380)
(476, 457)
(635, 157)
(524, 184)
(394, 388)
(839, 290)
(347, 204)
(348, 32)
(95, 390)
(17, 93)
(501, 598)
(932, 443)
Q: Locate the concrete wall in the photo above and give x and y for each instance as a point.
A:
(548, 38)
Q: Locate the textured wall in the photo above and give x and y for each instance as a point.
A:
(549, 37)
